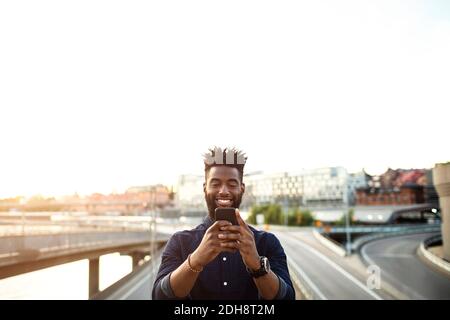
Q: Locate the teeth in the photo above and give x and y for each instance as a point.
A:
(221, 201)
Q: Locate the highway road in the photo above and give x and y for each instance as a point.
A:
(328, 279)
(403, 269)
(327, 274)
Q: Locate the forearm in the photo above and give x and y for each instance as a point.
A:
(182, 279)
(268, 285)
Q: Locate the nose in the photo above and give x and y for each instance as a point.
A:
(224, 190)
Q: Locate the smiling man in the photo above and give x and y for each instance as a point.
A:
(218, 260)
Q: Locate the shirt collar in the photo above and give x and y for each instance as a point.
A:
(207, 221)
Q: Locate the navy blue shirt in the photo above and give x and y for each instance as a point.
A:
(225, 277)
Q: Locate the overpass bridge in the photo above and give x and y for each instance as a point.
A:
(25, 253)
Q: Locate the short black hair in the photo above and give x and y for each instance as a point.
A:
(230, 157)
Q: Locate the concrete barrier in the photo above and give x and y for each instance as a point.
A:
(432, 259)
(329, 244)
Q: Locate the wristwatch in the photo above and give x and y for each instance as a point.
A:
(263, 269)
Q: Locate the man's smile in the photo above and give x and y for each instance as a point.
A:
(224, 202)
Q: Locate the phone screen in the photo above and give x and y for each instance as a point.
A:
(228, 214)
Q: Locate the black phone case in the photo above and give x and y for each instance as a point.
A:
(228, 214)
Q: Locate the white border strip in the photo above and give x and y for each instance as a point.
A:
(310, 286)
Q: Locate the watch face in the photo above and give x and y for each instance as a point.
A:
(263, 269)
(265, 264)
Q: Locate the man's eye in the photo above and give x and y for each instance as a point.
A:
(214, 185)
(233, 184)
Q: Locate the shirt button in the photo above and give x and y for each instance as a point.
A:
(224, 258)
(225, 283)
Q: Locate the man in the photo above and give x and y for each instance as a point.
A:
(218, 260)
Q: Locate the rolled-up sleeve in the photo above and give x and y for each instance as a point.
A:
(171, 259)
(278, 265)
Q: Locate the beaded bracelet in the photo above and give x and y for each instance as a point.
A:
(189, 265)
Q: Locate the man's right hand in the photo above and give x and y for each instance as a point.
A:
(210, 246)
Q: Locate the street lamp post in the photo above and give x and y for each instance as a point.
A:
(347, 231)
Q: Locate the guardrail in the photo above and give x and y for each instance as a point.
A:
(376, 229)
(373, 233)
(358, 243)
(64, 225)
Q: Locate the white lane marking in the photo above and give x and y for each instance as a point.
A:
(301, 273)
(339, 268)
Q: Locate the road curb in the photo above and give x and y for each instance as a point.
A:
(431, 259)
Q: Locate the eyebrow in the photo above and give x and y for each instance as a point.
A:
(218, 180)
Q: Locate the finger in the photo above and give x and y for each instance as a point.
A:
(230, 245)
(229, 236)
(236, 229)
(240, 220)
(220, 223)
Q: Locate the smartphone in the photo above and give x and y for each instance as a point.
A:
(228, 214)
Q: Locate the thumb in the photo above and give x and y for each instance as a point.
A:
(240, 220)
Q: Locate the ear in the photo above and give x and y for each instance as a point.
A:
(204, 187)
(242, 188)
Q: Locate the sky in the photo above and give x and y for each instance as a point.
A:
(103, 95)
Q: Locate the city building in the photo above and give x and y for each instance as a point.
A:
(189, 194)
(284, 188)
(398, 187)
(326, 192)
(331, 187)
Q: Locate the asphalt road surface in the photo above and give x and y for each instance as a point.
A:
(403, 269)
(324, 276)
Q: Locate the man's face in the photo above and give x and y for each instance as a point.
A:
(223, 188)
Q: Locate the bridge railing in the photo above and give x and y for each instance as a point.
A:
(57, 223)
(379, 229)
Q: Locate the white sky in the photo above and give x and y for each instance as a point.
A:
(102, 95)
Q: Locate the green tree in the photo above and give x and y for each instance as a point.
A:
(252, 214)
(255, 210)
(273, 215)
(297, 217)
